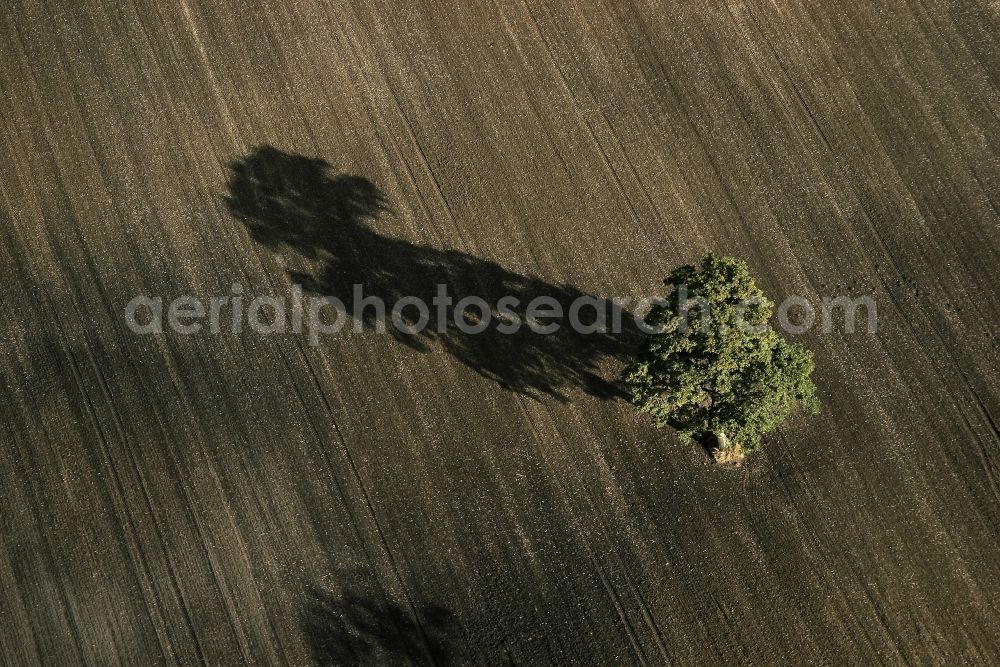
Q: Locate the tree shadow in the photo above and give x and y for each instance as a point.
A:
(290, 202)
(707, 441)
(354, 629)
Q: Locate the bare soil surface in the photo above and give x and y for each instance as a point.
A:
(244, 498)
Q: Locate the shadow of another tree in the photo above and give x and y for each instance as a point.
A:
(290, 202)
(353, 629)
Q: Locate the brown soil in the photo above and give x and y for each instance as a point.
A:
(239, 498)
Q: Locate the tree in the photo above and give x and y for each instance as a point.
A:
(714, 368)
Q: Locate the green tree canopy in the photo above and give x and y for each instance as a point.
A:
(715, 366)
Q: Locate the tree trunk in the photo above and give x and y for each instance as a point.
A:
(726, 453)
(721, 440)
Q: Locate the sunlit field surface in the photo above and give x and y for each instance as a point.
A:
(234, 497)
